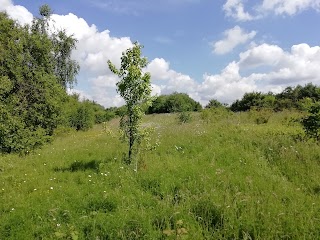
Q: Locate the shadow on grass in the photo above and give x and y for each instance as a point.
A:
(78, 166)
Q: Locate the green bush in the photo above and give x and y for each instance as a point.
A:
(83, 117)
(184, 117)
(175, 102)
(32, 92)
(311, 123)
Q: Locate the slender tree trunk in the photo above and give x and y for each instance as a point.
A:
(131, 137)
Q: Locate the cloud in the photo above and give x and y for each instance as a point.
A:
(226, 86)
(289, 7)
(279, 69)
(94, 49)
(233, 37)
(166, 80)
(16, 12)
(235, 9)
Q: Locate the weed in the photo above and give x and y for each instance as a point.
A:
(208, 215)
(184, 117)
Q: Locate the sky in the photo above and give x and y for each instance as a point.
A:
(209, 49)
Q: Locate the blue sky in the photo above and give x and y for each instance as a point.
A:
(207, 48)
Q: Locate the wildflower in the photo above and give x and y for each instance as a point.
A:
(35, 189)
(51, 188)
(58, 224)
(12, 209)
(89, 175)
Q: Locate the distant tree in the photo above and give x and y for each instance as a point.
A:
(135, 88)
(175, 102)
(214, 103)
(249, 100)
(158, 105)
(83, 117)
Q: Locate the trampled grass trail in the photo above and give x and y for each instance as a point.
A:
(221, 176)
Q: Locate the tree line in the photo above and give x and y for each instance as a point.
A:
(299, 97)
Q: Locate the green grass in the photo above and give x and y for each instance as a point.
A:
(222, 177)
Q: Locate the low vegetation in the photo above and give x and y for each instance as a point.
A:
(220, 176)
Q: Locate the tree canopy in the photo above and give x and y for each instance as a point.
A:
(299, 97)
(135, 88)
(35, 69)
(175, 102)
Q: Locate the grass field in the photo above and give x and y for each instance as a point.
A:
(221, 176)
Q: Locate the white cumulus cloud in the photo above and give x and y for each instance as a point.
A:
(235, 9)
(233, 37)
(263, 68)
(166, 80)
(16, 12)
(94, 49)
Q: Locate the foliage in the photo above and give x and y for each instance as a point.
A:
(299, 97)
(30, 99)
(65, 69)
(214, 103)
(261, 116)
(311, 123)
(83, 118)
(135, 88)
(31, 94)
(184, 117)
(212, 114)
(175, 102)
(254, 99)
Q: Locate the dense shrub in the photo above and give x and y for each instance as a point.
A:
(311, 123)
(214, 103)
(184, 117)
(175, 102)
(30, 96)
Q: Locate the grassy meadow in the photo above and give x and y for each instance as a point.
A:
(221, 176)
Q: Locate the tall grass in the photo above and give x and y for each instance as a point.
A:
(221, 176)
